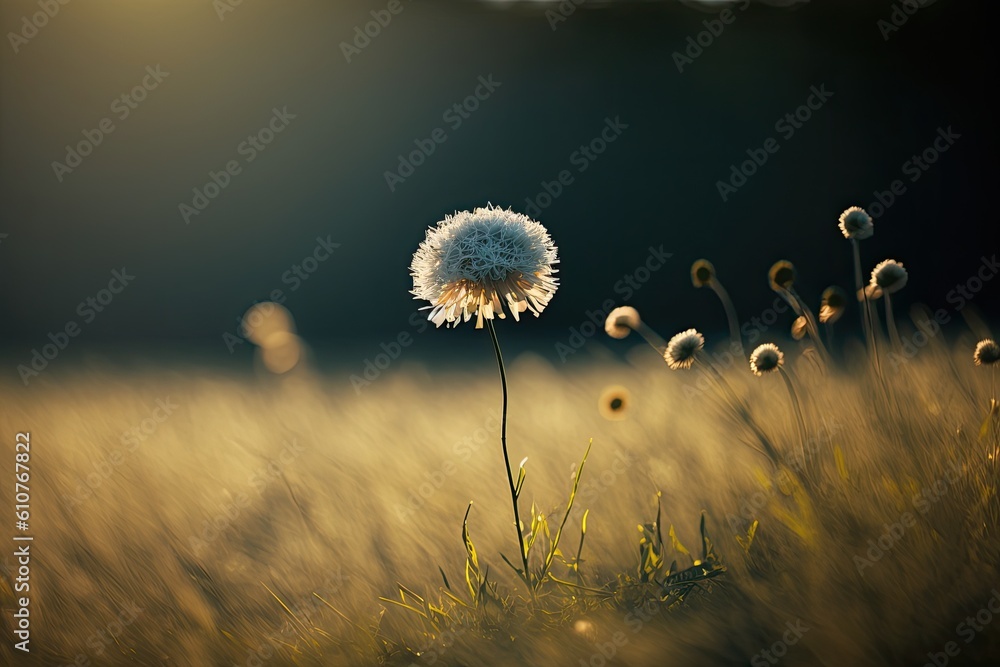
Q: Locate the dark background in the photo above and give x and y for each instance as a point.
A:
(324, 174)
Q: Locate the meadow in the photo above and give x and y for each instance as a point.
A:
(192, 517)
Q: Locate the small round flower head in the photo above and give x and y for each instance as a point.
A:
(621, 321)
(781, 275)
(614, 403)
(889, 275)
(766, 359)
(987, 352)
(682, 348)
(702, 273)
(475, 263)
(833, 304)
(799, 327)
(855, 223)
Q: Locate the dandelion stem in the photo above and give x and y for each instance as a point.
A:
(890, 322)
(506, 457)
(734, 325)
(798, 414)
(811, 324)
(867, 316)
(737, 406)
(654, 339)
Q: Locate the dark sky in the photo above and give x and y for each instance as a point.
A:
(323, 175)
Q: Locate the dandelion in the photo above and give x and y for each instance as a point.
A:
(768, 358)
(622, 321)
(782, 277)
(856, 225)
(833, 305)
(889, 277)
(703, 275)
(475, 264)
(682, 351)
(682, 348)
(614, 403)
(799, 327)
(987, 352)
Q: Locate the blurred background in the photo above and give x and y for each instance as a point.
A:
(225, 153)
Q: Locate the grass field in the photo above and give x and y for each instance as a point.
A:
(192, 518)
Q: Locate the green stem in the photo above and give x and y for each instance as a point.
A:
(506, 457)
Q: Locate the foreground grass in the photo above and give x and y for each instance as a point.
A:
(263, 522)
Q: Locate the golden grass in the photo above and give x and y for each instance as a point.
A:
(305, 482)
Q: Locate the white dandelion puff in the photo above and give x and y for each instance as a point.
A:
(889, 275)
(987, 352)
(855, 223)
(767, 358)
(477, 263)
(682, 348)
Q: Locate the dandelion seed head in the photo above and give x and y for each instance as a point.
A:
(833, 305)
(682, 348)
(889, 276)
(702, 273)
(781, 275)
(614, 403)
(799, 327)
(621, 321)
(767, 358)
(479, 262)
(987, 352)
(855, 223)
